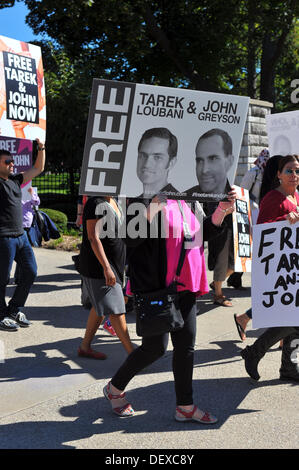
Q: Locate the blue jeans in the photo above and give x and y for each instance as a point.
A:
(17, 249)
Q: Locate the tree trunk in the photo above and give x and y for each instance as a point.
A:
(267, 91)
(271, 53)
(251, 52)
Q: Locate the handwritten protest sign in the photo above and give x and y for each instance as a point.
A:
(143, 140)
(22, 97)
(275, 275)
(242, 229)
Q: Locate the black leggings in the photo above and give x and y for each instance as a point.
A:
(155, 346)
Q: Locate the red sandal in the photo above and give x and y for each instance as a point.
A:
(122, 411)
(207, 418)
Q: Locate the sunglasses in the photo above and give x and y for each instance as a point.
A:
(9, 161)
(289, 171)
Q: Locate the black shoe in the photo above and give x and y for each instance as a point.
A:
(230, 284)
(251, 364)
(20, 318)
(236, 286)
(289, 376)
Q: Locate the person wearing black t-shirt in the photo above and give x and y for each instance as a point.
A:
(102, 267)
(14, 244)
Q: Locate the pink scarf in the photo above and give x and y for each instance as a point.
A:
(193, 274)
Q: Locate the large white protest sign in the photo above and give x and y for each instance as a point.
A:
(242, 229)
(283, 133)
(275, 275)
(143, 140)
(22, 90)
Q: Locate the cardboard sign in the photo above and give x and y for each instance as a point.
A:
(22, 99)
(143, 140)
(283, 133)
(275, 275)
(242, 228)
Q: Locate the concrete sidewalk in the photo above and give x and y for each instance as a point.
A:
(52, 399)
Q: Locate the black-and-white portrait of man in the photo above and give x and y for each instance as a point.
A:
(213, 160)
(157, 155)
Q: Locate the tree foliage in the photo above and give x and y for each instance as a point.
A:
(241, 47)
(6, 4)
(200, 44)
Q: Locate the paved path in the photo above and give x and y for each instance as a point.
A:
(50, 398)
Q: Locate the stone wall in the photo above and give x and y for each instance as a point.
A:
(255, 137)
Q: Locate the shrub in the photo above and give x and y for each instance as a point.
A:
(59, 218)
(68, 208)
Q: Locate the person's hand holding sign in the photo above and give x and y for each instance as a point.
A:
(224, 208)
(229, 206)
(156, 205)
(19, 128)
(293, 217)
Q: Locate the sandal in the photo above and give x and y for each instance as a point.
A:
(91, 354)
(222, 300)
(207, 418)
(122, 411)
(240, 329)
(212, 286)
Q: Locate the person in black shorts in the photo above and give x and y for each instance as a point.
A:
(102, 267)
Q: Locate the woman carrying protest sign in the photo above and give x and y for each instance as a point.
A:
(81, 201)
(278, 205)
(152, 266)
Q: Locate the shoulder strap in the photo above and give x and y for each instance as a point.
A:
(186, 229)
(187, 237)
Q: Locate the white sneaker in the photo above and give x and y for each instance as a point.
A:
(8, 324)
(20, 318)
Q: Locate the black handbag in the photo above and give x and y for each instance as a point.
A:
(158, 312)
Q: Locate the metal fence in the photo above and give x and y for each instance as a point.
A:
(58, 183)
(59, 190)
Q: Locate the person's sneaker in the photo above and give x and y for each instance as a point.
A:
(7, 324)
(20, 318)
(109, 328)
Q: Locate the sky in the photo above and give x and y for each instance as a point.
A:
(12, 23)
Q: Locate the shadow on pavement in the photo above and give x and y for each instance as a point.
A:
(154, 406)
(42, 364)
